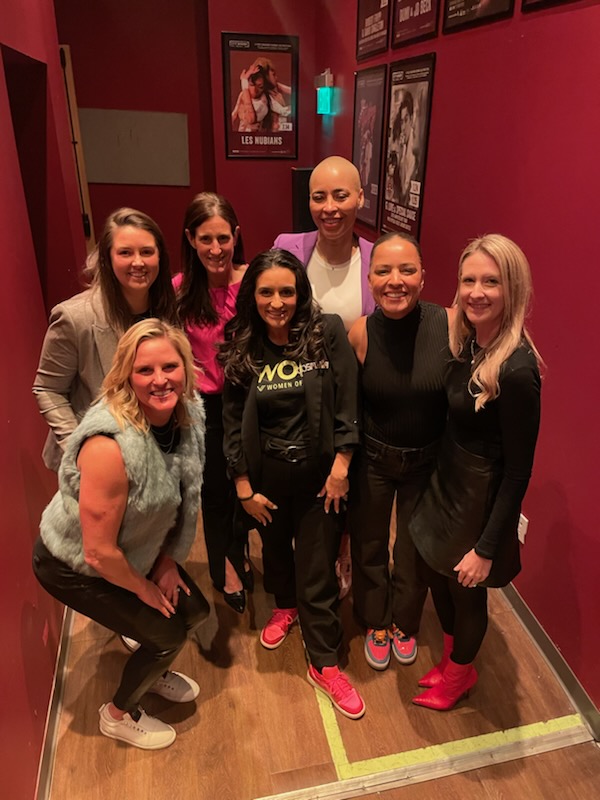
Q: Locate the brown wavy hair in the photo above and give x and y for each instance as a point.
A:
(100, 274)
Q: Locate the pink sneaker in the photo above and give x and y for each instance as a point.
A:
(339, 690)
(404, 647)
(377, 648)
(277, 628)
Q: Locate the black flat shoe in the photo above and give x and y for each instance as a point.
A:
(236, 600)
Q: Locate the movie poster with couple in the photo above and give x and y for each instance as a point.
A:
(369, 105)
(410, 93)
(260, 80)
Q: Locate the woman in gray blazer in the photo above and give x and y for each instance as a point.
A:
(129, 280)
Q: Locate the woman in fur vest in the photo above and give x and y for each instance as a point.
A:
(124, 518)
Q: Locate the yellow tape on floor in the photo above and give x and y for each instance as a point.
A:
(438, 752)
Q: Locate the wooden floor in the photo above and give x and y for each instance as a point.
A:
(260, 730)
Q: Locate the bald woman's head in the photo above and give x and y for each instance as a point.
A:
(336, 166)
(335, 197)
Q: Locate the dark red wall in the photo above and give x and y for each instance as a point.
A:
(141, 56)
(42, 239)
(513, 148)
(145, 55)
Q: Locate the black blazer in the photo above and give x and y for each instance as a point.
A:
(331, 408)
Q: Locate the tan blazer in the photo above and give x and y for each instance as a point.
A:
(76, 355)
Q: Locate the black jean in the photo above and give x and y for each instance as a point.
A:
(379, 472)
(161, 639)
(300, 547)
(224, 532)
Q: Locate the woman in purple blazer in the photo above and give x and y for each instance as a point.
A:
(337, 263)
(336, 260)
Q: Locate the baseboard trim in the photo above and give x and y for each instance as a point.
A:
(581, 699)
(46, 768)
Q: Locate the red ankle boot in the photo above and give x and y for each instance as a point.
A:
(434, 676)
(456, 681)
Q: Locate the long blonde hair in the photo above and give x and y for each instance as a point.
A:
(515, 278)
(116, 387)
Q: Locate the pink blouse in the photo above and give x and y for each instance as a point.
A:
(204, 338)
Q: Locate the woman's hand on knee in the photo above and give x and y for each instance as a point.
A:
(153, 597)
(165, 575)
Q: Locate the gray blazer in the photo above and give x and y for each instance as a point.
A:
(76, 355)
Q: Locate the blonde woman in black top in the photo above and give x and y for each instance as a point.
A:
(465, 527)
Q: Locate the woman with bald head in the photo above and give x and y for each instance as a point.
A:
(337, 263)
(336, 259)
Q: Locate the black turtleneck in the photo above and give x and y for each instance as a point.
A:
(402, 379)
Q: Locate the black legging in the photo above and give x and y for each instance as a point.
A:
(224, 533)
(161, 639)
(462, 612)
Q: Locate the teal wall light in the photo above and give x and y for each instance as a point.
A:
(325, 100)
(325, 93)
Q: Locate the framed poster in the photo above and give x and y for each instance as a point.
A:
(414, 20)
(369, 97)
(372, 28)
(410, 92)
(260, 85)
(466, 13)
(533, 5)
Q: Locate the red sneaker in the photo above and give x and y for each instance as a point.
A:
(339, 690)
(404, 647)
(377, 648)
(277, 628)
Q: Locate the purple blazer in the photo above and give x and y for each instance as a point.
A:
(302, 245)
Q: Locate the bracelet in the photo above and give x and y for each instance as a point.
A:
(245, 499)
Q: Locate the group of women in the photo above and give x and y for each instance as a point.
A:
(266, 414)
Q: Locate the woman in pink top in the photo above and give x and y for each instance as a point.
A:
(213, 266)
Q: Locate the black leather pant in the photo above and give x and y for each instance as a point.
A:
(161, 639)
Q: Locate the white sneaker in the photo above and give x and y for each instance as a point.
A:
(130, 643)
(176, 687)
(137, 729)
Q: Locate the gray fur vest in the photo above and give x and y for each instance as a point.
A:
(163, 500)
